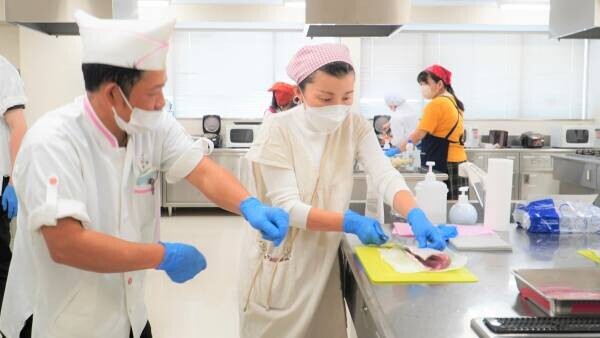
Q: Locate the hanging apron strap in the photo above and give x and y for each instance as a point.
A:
(460, 139)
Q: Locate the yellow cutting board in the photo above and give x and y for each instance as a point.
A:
(590, 254)
(380, 272)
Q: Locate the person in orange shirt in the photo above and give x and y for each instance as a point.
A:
(441, 129)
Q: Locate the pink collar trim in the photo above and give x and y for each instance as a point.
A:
(87, 106)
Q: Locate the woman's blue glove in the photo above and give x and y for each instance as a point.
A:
(181, 262)
(367, 229)
(271, 222)
(426, 234)
(392, 152)
(447, 231)
(9, 201)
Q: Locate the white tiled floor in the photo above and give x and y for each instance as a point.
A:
(207, 305)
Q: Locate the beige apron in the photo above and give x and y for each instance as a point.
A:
(294, 290)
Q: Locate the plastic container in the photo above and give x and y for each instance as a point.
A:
(463, 212)
(432, 197)
(557, 216)
(410, 147)
(413, 156)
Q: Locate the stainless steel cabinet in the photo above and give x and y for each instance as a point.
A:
(538, 184)
(536, 176)
(183, 194)
(576, 172)
(532, 170)
(481, 160)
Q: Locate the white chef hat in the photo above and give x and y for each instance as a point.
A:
(124, 43)
(394, 99)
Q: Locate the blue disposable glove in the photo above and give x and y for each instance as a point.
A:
(9, 201)
(181, 262)
(271, 222)
(392, 152)
(367, 229)
(426, 234)
(447, 231)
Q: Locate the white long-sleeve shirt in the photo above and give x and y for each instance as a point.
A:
(404, 121)
(282, 188)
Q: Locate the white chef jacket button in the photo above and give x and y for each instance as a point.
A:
(130, 280)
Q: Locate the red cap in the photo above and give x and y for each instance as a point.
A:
(284, 93)
(441, 72)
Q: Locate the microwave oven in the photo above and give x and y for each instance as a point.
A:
(575, 137)
(241, 135)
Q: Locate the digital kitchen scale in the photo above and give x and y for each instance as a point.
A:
(570, 297)
(561, 292)
(545, 327)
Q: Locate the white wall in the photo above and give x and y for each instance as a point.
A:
(2, 16)
(517, 127)
(594, 79)
(51, 70)
(9, 43)
(51, 66)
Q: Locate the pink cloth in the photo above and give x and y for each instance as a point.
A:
(404, 230)
(310, 58)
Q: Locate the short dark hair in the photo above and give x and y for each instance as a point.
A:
(96, 74)
(338, 69)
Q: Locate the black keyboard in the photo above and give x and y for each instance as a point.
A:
(543, 325)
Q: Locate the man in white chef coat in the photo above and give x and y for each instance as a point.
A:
(87, 178)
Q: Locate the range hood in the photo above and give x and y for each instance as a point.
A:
(355, 18)
(55, 17)
(575, 19)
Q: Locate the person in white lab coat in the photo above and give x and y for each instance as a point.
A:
(12, 130)
(404, 119)
(88, 180)
(303, 162)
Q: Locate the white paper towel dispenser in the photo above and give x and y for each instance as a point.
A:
(493, 190)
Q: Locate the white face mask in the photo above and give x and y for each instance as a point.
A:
(326, 119)
(426, 92)
(140, 121)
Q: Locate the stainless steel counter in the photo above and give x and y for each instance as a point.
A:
(578, 158)
(445, 310)
(534, 150)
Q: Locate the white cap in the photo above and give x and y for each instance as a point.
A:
(124, 43)
(394, 99)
